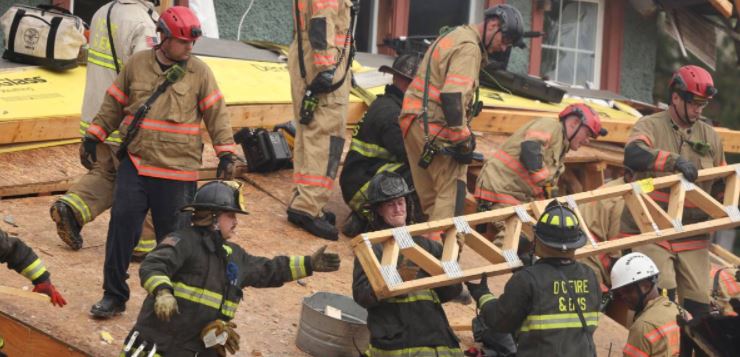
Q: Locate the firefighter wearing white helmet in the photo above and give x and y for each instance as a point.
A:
(655, 331)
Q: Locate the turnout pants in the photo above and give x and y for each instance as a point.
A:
(318, 147)
(441, 186)
(686, 271)
(93, 194)
(134, 196)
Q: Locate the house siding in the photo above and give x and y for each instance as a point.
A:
(266, 21)
(638, 56)
(519, 61)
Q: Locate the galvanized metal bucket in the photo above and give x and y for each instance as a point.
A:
(321, 335)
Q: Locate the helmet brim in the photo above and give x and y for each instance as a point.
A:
(580, 242)
(385, 199)
(209, 207)
(393, 71)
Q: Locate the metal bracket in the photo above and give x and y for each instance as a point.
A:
(677, 225)
(523, 215)
(657, 230)
(403, 237)
(512, 258)
(390, 275)
(366, 239)
(737, 170)
(571, 202)
(462, 225)
(636, 188)
(452, 269)
(733, 213)
(687, 186)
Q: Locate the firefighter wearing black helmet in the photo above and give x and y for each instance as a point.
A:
(552, 306)
(195, 278)
(413, 324)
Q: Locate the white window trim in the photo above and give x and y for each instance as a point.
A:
(597, 48)
(374, 27)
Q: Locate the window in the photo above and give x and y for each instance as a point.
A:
(427, 17)
(571, 47)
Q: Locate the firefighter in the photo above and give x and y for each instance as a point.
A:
(133, 28)
(672, 141)
(195, 277)
(413, 324)
(377, 144)
(655, 331)
(725, 287)
(161, 156)
(319, 63)
(443, 99)
(527, 166)
(22, 259)
(552, 307)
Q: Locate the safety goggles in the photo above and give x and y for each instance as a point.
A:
(238, 188)
(695, 100)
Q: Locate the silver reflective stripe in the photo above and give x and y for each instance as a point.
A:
(390, 275)
(452, 269)
(34, 270)
(687, 186)
(733, 213)
(370, 150)
(523, 215)
(462, 225)
(511, 258)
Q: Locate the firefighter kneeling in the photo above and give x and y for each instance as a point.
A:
(553, 305)
(195, 278)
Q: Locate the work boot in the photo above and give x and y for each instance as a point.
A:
(314, 225)
(68, 228)
(329, 216)
(107, 307)
(138, 256)
(354, 225)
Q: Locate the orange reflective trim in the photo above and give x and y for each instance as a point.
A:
(165, 126)
(410, 103)
(727, 280)
(661, 159)
(625, 235)
(540, 175)
(640, 137)
(543, 136)
(117, 94)
(437, 130)
(341, 39)
(418, 84)
(324, 4)
(516, 166)
(97, 131)
(405, 123)
(633, 351)
(210, 100)
(458, 80)
(312, 180)
(158, 172)
(225, 148)
(490, 196)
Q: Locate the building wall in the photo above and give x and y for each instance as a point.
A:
(266, 21)
(638, 56)
(519, 61)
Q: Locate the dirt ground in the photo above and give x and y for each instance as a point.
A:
(267, 318)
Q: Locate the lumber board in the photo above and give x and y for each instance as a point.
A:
(724, 7)
(24, 340)
(643, 208)
(7, 290)
(724, 254)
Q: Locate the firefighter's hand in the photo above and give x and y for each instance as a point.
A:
(232, 342)
(408, 272)
(165, 305)
(464, 151)
(47, 288)
(480, 289)
(322, 82)
(687, 169)
(324, 262)
(226, 166)
(88, 153)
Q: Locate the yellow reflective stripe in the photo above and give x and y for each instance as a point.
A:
(297, 267)
(229, 308)
(484, 299)
(370, 150)
(423, 295)
(102, 59)
(228, 250)
(114, 137)
(204, 297)
(438, 351)
(79, 205)
(145, 245)
(156, 280)
(360, 197)
(34, 270)
(558, 321)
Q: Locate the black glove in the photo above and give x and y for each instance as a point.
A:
(323, 262)
(687, 169)
(322, 82)
(478, 290)
(464, 151)
(226, 165)
(88, 153)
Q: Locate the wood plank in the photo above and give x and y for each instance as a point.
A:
(657, 213)
(425, 260)
(484, 248)
(390, 253)
(724, 254)
(450, 250)
(513, 230)
(732, 187)
(676, 202)
(26, 295)
(639, 211)
(706, 203)
(34, 188)
(724, 7)
(24, 340)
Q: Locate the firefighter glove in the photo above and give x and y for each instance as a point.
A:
(322, 82)
(480, 289)
(47, 288)
(232, 342)
(463, 152)
(407, 270)
(226, 166)
(687, 169)
(165, 305)
(324, 262)
(88, 154)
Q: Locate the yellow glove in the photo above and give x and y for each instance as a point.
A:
(165, 305)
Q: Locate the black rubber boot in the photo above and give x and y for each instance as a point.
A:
(107, 307)
(68, 228)
(354, 225)
(329, 216)
(317, 226)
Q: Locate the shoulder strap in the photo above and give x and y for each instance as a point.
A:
(110, 37)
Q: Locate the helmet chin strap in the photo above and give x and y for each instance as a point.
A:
(685, 118)
(641, 297)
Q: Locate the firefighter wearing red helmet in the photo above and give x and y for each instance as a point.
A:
(158, 102)
(674, 141)
(527, 166)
